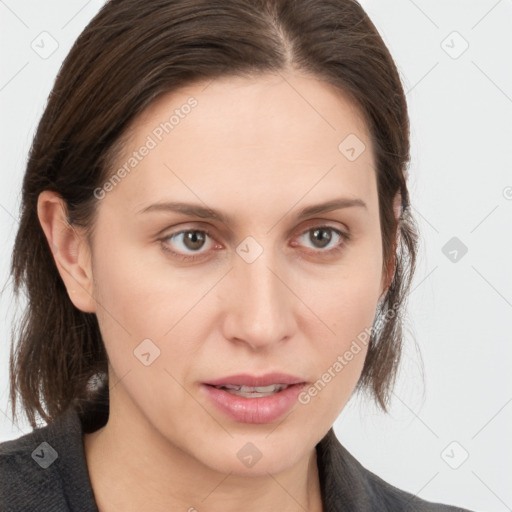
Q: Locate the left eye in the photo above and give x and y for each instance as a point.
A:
(322, 236)
(193, 240)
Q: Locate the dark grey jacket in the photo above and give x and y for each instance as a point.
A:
(46, 471)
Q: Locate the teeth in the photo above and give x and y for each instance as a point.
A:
(253, 391)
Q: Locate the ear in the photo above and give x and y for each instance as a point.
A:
(70, 250)
(387, 277)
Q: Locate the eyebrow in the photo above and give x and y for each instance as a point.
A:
(195, 210)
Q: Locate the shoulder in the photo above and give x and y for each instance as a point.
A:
(45, 469)
(398, 500)
(25, 471)
(348, 485)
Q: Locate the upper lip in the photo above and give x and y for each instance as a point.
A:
(244, 379)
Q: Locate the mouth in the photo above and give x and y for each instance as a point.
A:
(252, 399)
(253, 391)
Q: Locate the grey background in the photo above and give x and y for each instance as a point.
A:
(461, 186)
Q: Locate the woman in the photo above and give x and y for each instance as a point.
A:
(217, 244)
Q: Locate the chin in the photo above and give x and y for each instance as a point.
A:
(254, 454)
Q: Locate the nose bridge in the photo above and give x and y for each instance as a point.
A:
(261, 313)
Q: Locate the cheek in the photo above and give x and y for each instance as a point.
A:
(131, 286)
(140, 297)
(352, 308)
(352, 311)
(340, 359)
(348, 307)
(146, 329)
(345, 295)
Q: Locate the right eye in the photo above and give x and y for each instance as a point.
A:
(186, 240)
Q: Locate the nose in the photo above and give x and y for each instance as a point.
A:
(260, 307)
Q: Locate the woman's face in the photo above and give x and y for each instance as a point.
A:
(184, 299)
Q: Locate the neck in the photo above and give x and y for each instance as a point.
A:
(133, 467)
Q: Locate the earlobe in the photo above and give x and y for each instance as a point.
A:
(70, 250)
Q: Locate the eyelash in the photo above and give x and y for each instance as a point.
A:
(345, 237)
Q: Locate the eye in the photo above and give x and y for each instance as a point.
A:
(187, 240)
(324, 236)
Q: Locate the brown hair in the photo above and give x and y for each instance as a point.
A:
(132, 52)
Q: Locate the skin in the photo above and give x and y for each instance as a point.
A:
(259, 150)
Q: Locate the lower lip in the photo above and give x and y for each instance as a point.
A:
(264, 409)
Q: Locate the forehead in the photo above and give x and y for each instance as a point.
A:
(270, 137)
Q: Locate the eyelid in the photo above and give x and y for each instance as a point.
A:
(319, 223)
